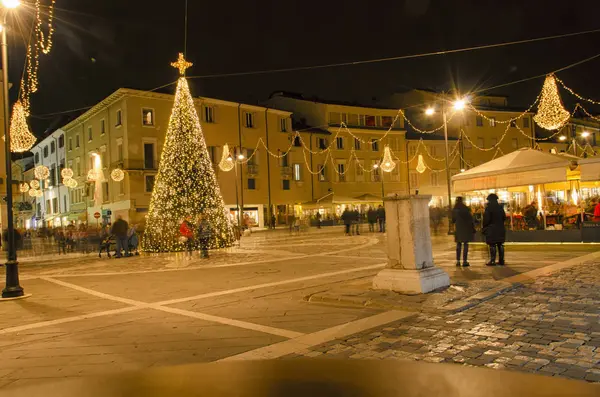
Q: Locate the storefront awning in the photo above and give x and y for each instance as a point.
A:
(334, 199)
(590, 169)
(522, 167)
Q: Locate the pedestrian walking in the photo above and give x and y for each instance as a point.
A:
(494, 230)
(464, 230)
(372, 219)
(356, 221)
(133, 240)
(204, 233)
(119, 230)
(381, 218)
(186, 229)
(61, 241)
(597, 212)
(347, 219)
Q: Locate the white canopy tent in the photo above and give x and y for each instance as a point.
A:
(520, 168)
(590, 169)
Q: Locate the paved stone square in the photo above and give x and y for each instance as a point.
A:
(90, 315)
(551, 327)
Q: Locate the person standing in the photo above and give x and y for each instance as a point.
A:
(204, 232)
(356, 221)
(381, 218)
(318, 217)
(372, 219)
(186, 229)
(464, 230)
(597, 212)
(494, 230)
(120, 229)
(347, 218)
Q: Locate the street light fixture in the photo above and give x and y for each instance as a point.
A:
(585, 134)
(11, 3)
(12, 289)
(562, 138)
(240, 156)
(458, 105)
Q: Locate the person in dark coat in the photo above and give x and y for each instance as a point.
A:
(381, 218)
(356, 222)
(464, 230)
(372, 218)
(347, 218)
(494, 230)
(120, 229)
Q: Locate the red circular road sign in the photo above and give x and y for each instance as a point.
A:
(97, 215)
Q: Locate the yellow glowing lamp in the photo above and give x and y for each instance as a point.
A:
(387, 164)
(551, 113)
(117, 175)
(421, 167)
(41, 172)
(226, 164)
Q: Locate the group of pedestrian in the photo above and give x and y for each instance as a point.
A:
(493, 230)
(353, 218)
(125, 237)
(200, 232)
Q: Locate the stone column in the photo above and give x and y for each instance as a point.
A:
(410, 268)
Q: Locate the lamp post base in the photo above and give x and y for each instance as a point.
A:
(13, 289)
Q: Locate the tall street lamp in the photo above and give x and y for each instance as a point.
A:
(12, 289)
(457, 105)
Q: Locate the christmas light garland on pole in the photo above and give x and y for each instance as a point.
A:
(21, 139)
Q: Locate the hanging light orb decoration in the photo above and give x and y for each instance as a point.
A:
(226, 164)
(92, 175)
(21, 139)
(34, 184)
(421, 165)
(32, 192)
(39, 193)
(67, 173)
(24, 187)
(387, 164)
(41, 172)
(117, 175)
(71, 183)
(551, 113)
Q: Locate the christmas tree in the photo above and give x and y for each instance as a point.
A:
(186, 184)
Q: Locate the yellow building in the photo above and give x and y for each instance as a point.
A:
(313, 161)
(356, 136)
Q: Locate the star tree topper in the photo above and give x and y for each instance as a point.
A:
(181, 64)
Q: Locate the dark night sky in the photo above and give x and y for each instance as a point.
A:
(101, 45)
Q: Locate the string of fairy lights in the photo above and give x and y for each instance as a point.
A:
(21, 137)
(551, 115)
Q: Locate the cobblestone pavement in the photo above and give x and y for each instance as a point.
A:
(550, 327)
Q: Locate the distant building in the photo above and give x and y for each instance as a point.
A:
(52, 209)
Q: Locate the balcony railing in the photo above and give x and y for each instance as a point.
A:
(252, 170)
(286, 172)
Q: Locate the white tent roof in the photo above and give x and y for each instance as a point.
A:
(522, 167)
(590, 169)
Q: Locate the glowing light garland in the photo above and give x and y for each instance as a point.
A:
(186, 184)
(226, 164)
(24, 187)
(21, 139)
(41, 172)
(117, 175)
(32, 193)
(34, 184)
(551, 114)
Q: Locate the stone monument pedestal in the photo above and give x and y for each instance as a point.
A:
(410, 268)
